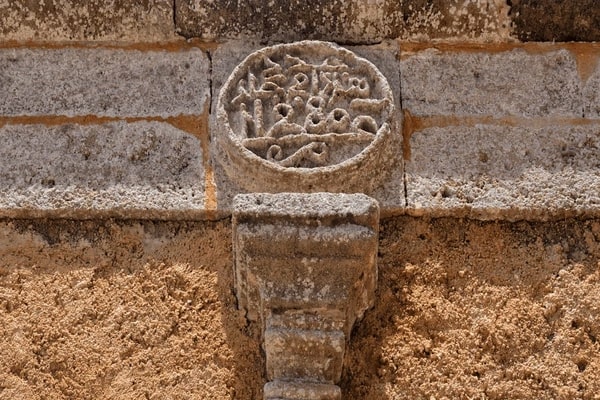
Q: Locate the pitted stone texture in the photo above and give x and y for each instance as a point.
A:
(591, 94)
(126, 170)
(454, 19)
(103, 82)
(305, 270)
(308, 116)
(494, 172)
(280, 390)
(557, 21)
(333, 20)
(54, 20)
(498, 84)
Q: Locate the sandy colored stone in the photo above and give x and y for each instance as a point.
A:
(105, 309)
(506, 83)
(289, 20)
(60, 20)
(110, 310)
(494, 172)
(466, 309)
(131, 170)
(556, 21)
(103, 82)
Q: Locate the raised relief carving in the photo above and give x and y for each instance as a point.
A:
(296, 116)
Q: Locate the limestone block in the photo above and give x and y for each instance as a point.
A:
(305, 271)
(291, 20)
(301, 391)
(508, 83)
(57, 20)
(126, 170)
(503, 172)
(591, 94)
(454, 19)
(556, 21)
(253, 175)
(103, 82)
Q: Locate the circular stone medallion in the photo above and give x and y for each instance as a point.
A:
(307, 116)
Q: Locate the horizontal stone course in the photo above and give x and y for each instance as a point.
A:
(132, 170)
(57, 20)
(103, 82)
(501, 172)
(556, 21)
(347, 22)
(498, 84)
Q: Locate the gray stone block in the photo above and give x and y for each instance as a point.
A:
(497, 84)
(305, 271)
(57, 20)
(126, 170)
(103, 82)
(384, 56)
(591, 94)
(290, 20)
(503, 172)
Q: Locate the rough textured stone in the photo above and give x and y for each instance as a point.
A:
(454, 19)
(128, 170)
(556, 20)
(344, 21)
(494, 172)
(591, 94)
(507, 83)
(103, 82)
(309, 116)
(305, 270)
(384, 56)
(140, 21)
(289, 20)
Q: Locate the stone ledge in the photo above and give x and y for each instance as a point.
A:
(103, 82)
(502, 172)
(147, 170)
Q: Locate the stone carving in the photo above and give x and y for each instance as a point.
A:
(299, 116)
(305, 270)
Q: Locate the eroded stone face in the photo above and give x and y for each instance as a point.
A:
(297, 116)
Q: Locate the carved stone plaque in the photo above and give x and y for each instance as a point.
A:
(306, 116)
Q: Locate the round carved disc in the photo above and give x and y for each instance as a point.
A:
(306, 116)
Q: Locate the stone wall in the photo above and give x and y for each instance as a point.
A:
(115, 234)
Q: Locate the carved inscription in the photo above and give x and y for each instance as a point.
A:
(307, 106)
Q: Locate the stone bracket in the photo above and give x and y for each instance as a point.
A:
(305, 270)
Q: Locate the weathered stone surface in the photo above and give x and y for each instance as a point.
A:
(556, 21)
(290, 20)
(45, 20)
(301, 391)
(383, 56)
(342, 21)
(591, 94)
(454, 19)
(127, 170)
(103, 82)
(305, 270)
(507, 83)
(495, 172)
(308, 116)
